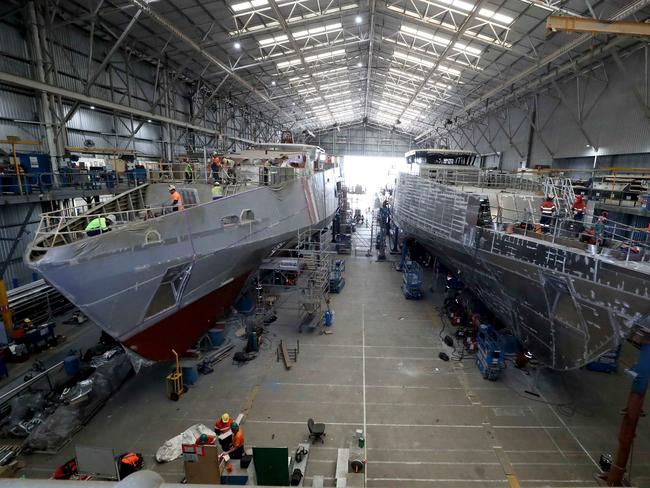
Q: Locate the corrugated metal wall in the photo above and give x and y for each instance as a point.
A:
(11, 218)
(611, 116)
(70, 52)
(368, 141)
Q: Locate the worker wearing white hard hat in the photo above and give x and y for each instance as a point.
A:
(217, 191)
(176, 199)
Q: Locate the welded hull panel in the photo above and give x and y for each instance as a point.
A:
(118, 279)
(566, 306)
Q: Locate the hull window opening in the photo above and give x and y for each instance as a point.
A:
(170, 290)
(247, 215)
(230, 220)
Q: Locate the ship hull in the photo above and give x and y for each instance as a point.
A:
(565, 306)
(179, 330)
(159, 285)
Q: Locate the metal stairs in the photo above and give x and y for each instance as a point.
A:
(562, 193)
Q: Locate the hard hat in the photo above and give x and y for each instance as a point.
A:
(28, 321)
(225, 418)
(216, 183)
(234, 426)
(171, 188)
(203, 439)
(112, 218)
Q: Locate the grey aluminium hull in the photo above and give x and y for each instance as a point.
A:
(565, 305)
(158, 284)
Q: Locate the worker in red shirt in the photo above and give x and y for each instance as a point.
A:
(548, 212)
(222, 426)
(579, 209)
(205, 439)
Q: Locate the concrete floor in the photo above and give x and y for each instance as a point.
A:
(428, 422)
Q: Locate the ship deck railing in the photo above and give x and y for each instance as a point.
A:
(68, 225)
(61, 227)
(619, 242)
(473, 178)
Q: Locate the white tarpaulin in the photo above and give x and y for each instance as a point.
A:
(172, 449)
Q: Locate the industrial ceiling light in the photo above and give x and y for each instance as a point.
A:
(92, 107)
(359, 64)
(149, 120)
(273, 83)
(358, 19)
(237, 45)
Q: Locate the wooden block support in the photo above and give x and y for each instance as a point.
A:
(285, 355)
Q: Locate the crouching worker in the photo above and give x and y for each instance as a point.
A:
(99, 225)
(205, 440)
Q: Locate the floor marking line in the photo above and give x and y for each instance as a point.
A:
(452, 426)
(459, 480)
(402, 387)
(394, 404)
(363, 366)
(319, 346)
(570, 432)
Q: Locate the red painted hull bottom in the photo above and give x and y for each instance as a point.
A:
(181, 330)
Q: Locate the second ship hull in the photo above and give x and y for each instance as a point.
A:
(565, 306)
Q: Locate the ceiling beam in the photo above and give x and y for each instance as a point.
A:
(546, 60)
(596, 26)
(371, 37)
(452, 42)
(298, 51)
(163, 22)
(81, 98)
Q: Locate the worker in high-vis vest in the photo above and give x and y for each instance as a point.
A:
(217, 191)
(176, 200)
(99, 225)
(189, 172)
(548, 212)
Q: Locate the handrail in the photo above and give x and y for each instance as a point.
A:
(54, 226)
(615, 236)
(64, 217)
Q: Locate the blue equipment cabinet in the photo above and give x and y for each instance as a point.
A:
(343, 244)
(412, 280)
(489, 357)
(36, 174)
(607, 363)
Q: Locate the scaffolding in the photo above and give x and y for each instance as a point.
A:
(313, 279)
(297, 279)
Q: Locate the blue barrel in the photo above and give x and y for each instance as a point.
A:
(71, 365)
(190, 374)
(216, 336)
(329, 318)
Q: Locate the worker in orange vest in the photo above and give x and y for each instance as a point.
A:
(176, 200)
(237, 448)
(579, 208)
(548, 212)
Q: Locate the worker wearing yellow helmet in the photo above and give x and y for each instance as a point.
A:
(221, 427)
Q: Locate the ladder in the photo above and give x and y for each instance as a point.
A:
(562, 193)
